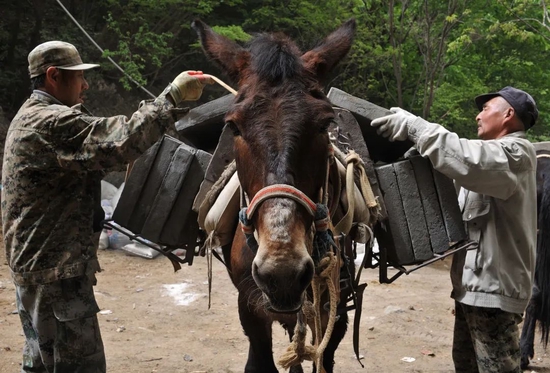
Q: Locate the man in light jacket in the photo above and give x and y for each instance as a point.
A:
(491, 285)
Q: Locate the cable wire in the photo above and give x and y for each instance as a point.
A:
(102, 52)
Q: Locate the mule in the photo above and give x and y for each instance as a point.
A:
(538, 308)
(279, 119)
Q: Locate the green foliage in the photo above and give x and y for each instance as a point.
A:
(429, 57)
(136, 50)
(232, 32)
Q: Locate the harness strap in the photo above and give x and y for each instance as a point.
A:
(280, 191)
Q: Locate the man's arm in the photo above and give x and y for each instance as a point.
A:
(487, 167)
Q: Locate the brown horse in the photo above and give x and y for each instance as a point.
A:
(279, 119)
(539, 305)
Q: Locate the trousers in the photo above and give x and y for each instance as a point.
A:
(60, 324)
(486, 340)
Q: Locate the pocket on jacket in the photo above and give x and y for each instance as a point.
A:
(476, 215)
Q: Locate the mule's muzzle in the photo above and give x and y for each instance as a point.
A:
(283, 285)
(270, 307)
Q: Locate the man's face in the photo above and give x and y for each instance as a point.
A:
(490, 121)
(71, 87)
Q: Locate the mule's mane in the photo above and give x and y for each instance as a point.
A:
(275, 58)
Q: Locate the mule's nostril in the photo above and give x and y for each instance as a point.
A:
(307, 274)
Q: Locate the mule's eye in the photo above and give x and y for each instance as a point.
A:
(325, 125)
(233, 127)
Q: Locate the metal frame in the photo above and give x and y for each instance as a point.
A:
(165, 250)
(381, 259)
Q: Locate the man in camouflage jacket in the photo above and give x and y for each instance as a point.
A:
(54, 158)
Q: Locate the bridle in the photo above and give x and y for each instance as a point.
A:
(318, 211)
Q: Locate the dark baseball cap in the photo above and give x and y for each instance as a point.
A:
(57, 54)
(522, 102)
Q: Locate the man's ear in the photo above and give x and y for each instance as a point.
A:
(52, 74)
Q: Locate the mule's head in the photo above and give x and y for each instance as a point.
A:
(280, 119)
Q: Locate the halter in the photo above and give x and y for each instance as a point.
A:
(323, 239)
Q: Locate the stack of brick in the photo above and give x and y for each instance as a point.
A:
(422, 214)
(156, 201)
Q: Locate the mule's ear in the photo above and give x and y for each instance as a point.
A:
(228, 54)
(323, 58)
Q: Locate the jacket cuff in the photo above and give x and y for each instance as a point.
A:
(417, 128)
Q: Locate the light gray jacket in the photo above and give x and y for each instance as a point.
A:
(500, 212)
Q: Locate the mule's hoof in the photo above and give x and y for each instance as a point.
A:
(524, 362)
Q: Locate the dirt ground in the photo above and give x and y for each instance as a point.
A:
(155, 320)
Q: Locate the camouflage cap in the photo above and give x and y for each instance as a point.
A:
(57, 54)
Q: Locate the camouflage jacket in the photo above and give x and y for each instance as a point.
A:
(54, 158)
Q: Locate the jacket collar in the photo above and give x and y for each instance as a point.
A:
(46, 97)
(517, 134)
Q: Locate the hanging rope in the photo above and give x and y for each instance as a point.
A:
(298, 352)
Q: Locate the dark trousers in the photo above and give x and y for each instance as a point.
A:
(486, 340)
(61, 329)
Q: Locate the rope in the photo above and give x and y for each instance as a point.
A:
(324, 277)
(353, 163)
(297, 352)
(280, 191)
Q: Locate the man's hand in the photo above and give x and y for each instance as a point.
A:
(394, 126)
(188, 86)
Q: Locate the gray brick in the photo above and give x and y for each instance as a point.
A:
(449, 207)
(543, 145)
(380, 149)
(430, 203)
(414, 213)
(202, 126)
(397, 241)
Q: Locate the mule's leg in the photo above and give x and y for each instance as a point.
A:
(258, 330)
(527, 339)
